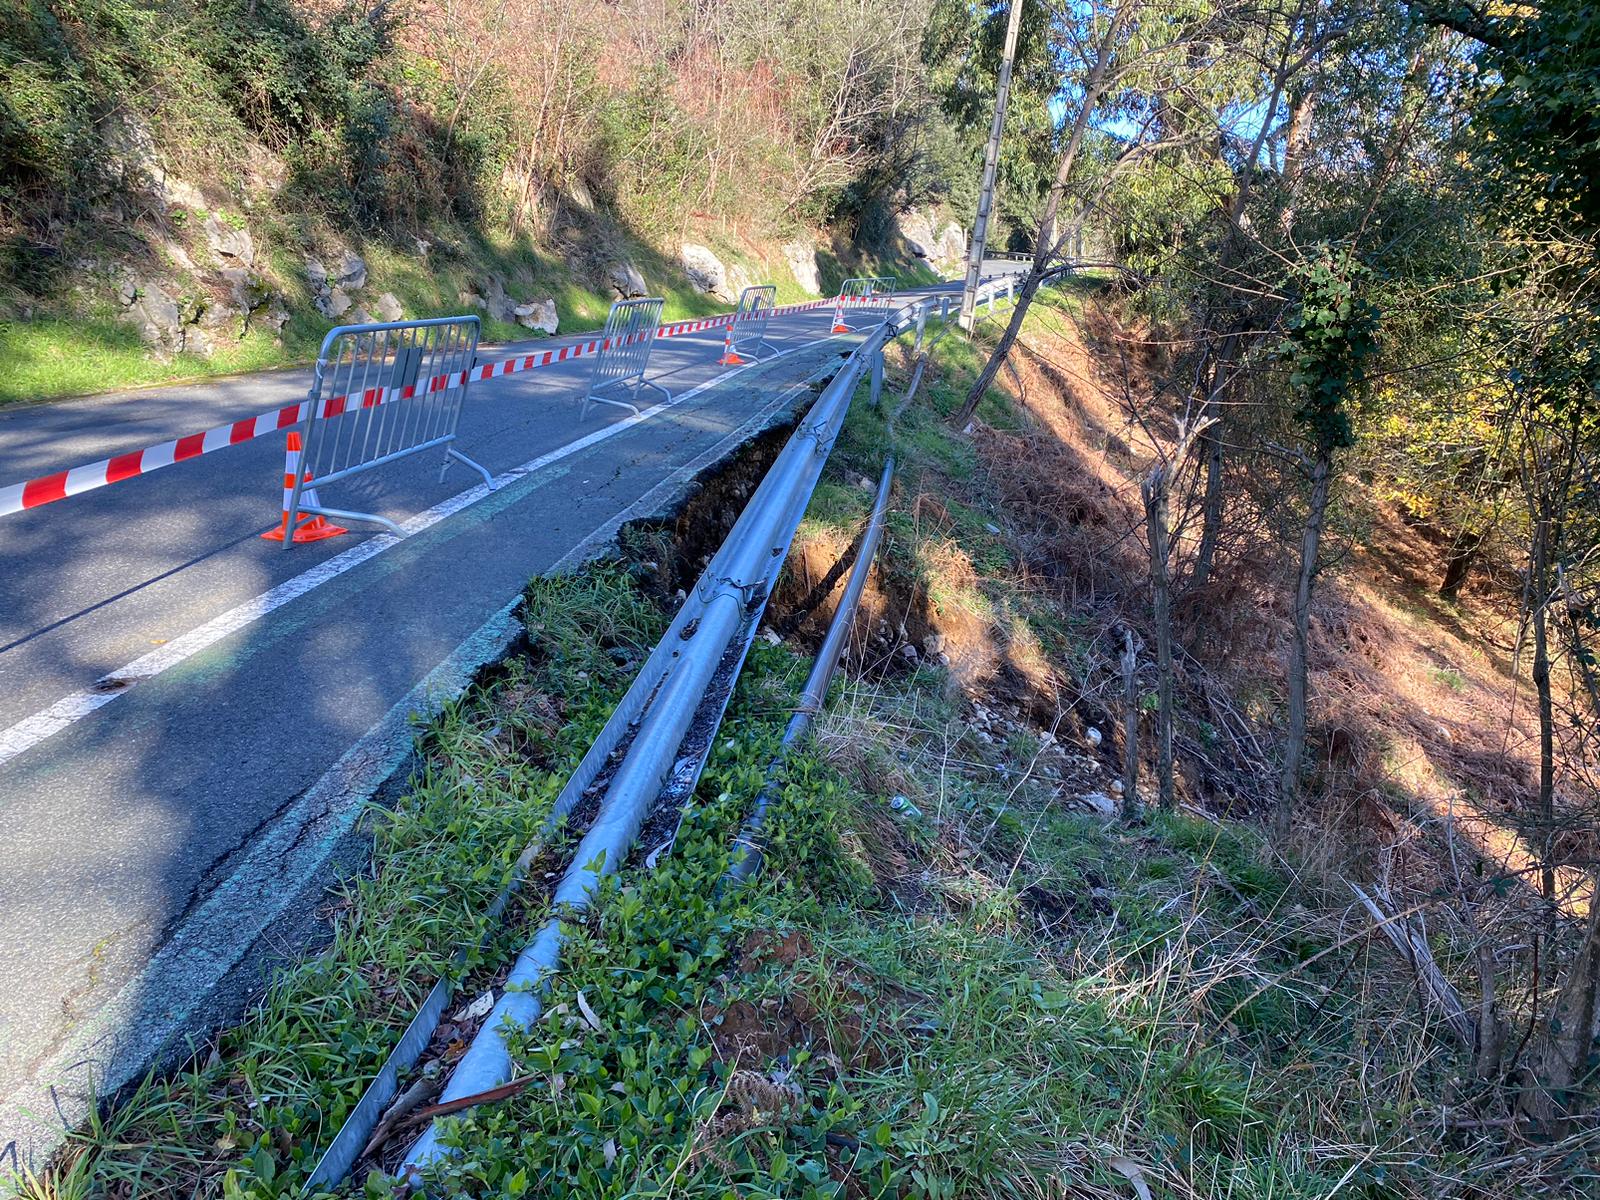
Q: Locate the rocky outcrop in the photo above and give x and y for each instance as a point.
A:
(941, 243)
(388, 307)
(352, 271)
(170, 322)
(231, 244)
(332, 291)
(706, 273)
(626, 281)
(801, 255)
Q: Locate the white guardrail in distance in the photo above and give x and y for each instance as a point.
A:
(402, 385)
(624, 356)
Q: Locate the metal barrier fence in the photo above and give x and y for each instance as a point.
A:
(624, 356)
(748, 333)
(860, 290)
(382, 393)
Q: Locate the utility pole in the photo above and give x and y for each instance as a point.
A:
(991, 163)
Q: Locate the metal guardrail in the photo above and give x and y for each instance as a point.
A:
(630, 335)
(658, 710)
(403, 385)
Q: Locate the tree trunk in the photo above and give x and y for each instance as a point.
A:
(1539, 606)
(1130, 728)
(1458, 563)
(1155, 491)
(1295, 743)
(1562, 1065)
(1211, 505)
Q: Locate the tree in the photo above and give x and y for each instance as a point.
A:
(1330, 336)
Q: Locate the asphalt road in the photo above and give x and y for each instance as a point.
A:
(166, 837)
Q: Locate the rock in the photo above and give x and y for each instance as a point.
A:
(197, 341)
(738, 280)
(706, 273)
(933, 643)
(472, 300)
(909, 652)
(352, 272)
(496, 303)
(951, 250)
(537, 314)
(219, 316)
(916, 226)
(358, 316)
(626, 281)
(389, 307)
(229, 243)
(178, 193)
(336, 303)
(423, 245)
(276, 315)
(127, 292)
(802, 257)
(942, 245)
(249, 290)
(178, 256)
(1092, 736)
(1099, 802)
(316, 274)
(157, 316)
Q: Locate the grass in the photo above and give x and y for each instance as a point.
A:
(51, 355)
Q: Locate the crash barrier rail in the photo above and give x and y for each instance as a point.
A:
(396, 390)
(658, 711)
(625, 345)
(58, 485)
(861, 290)
(747, 330)
(649, 724)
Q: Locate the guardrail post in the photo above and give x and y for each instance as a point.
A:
(877, 376)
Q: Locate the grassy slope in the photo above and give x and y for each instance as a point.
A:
(93, 351)
(999, 996)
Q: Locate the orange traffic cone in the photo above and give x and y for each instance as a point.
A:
(730, 356)
(838, 317)
(307, 529)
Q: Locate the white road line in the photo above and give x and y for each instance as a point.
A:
(30, 731)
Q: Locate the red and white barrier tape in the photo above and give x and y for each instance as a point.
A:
(47, 489)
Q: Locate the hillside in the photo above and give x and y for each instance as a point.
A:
(190, 187)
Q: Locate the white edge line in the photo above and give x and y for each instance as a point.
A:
(30, 731)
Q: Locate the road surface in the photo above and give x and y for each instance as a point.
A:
(165, 839)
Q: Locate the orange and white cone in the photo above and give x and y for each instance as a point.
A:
(308, 528)
(730, 356)
(838, 316)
